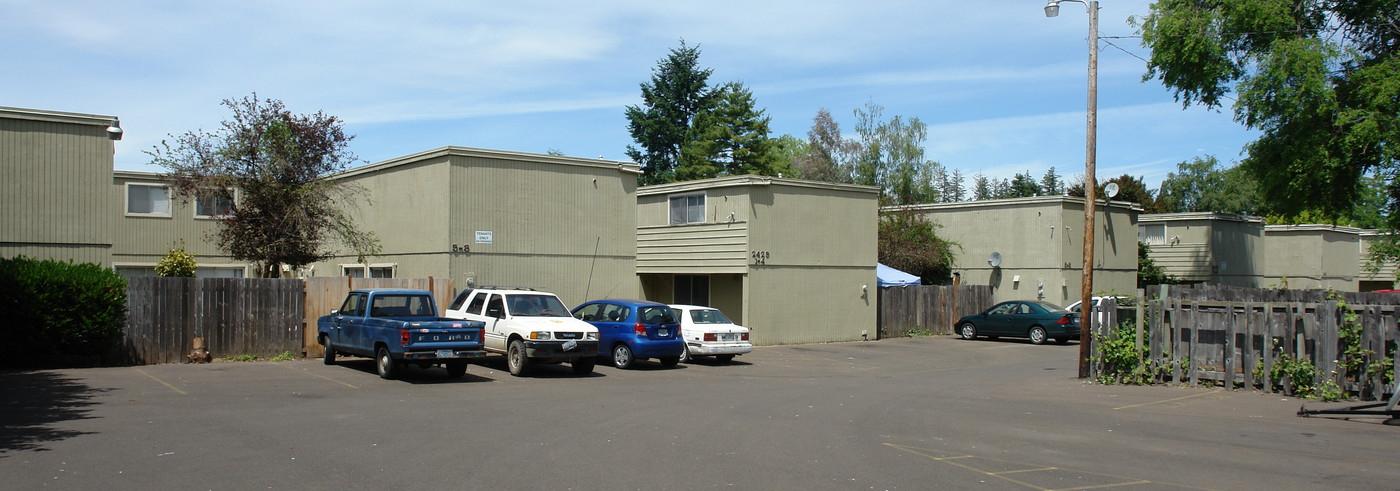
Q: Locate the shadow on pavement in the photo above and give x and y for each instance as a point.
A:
(33, 404)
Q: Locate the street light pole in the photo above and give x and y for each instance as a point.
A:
(1052, 8)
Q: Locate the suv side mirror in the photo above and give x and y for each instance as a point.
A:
(494, 312)
(335, 312)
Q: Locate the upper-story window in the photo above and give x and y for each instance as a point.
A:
(1152, 233)
(689, 208)
(147, 200)
(213, 206)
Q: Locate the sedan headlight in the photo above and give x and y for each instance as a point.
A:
(540, 335)
(592, 336)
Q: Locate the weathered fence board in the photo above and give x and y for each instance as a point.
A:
(931, 308)
(1223, 335)
(234, 316)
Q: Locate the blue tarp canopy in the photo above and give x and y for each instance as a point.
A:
(887, 276)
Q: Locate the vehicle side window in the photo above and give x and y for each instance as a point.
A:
(461, 298)
(496, 307)
(475, 306)
(354, 306)
(1023, 309)
(616, 313)
(590, 312)
(1004, 309)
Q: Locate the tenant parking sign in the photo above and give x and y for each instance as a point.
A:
(483, 236)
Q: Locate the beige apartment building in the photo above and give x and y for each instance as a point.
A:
(1033, 248)
(1213, 248)
(792, 260)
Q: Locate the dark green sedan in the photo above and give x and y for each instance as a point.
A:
(1032, 319)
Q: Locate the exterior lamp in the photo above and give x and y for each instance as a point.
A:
(114, 132)
(1052, 8)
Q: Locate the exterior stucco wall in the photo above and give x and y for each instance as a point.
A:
(141, 241)
(1312, 256)
(1041, 241)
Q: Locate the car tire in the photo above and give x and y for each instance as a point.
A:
(670, 361)
(584, 366)
(622, 356)
(456, 369)
(685, 355)
(329, 358)
(967, 331)
(385, 364)
(516, 360)
(1037, 335)
(724, 358)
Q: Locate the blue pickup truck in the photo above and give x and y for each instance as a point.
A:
(397, 327)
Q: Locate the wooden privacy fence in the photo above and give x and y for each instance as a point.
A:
(1223, 334)
(234, 316)
(325, 294)
(932, 308)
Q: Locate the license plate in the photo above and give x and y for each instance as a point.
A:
(663, 332)
(726, 337)
(446, 353)
(570, 345)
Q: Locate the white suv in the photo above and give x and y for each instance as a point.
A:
(528, 327)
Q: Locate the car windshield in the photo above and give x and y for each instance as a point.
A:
(536, 306)
(708, 316)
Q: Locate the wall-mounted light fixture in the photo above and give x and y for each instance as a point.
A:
(114, 132)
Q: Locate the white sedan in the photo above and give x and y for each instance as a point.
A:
(708, 332)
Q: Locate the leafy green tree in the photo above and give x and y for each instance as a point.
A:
(787, 150)
(1201, 185)
(1320, 80)
(1022, 186)
(1131, 189)
(827, 152)
(730, 138)
(287, 211)
(1149, 273)
(662, 126)
(1051, 184)
(907, 241)
(982, 187)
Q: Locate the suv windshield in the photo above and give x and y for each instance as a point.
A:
(536, 306)
(708, 316)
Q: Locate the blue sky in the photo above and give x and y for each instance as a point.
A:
(1001, 87)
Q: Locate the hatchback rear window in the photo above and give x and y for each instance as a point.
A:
(656, 315)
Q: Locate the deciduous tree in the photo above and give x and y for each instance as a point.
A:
(286, 211)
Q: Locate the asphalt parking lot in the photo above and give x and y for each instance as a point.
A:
(892, 414)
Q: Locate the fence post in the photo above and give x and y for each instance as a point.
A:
(1229, 376)
(1191, 355)
(1247, 354)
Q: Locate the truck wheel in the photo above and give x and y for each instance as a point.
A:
(670, 361)
(622, 356)
(329, 359)
(584, 366)
(456, 369)
(388, 369)
(516, 359)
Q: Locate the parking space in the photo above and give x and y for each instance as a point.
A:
(892, 414)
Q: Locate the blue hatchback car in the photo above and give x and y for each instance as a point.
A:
(631, 330)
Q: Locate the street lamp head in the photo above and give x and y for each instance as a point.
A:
(1052, 8)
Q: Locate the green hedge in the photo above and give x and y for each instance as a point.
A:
(59, 313)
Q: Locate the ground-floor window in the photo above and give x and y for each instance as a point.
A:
(692, 289)
(375, 270)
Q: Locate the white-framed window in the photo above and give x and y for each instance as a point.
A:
(214, 205)
(151, 200)
(1152, 233)
(373, 270)
(687, 208)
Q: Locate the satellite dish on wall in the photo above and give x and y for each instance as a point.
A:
(1110, 190)
(994, 259)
